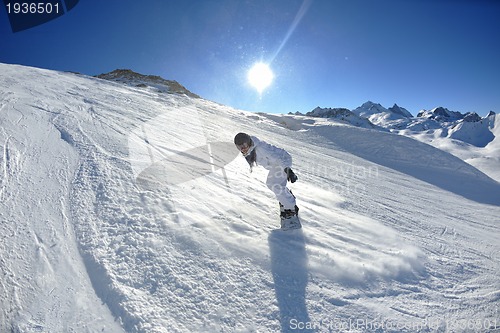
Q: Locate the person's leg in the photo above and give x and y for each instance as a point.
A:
(276, 182)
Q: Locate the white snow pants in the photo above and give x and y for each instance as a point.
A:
(276, 181)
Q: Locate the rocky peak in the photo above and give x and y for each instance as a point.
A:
(441, 114)
(400, 111)
(472, 117)
(134, 79)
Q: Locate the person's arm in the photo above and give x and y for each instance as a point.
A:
(281, 157)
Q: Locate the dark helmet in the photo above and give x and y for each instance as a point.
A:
(242, 138)
(244, 143)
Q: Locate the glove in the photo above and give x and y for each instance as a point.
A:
(291, 175)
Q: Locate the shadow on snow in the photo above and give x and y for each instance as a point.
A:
(290, 276)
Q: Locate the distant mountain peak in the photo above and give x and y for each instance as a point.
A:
(401, 111)
(328, 112)
(134, 79)
(472, 117)
(379, 115)
(372, 106)
(341, 114)
(441, 114)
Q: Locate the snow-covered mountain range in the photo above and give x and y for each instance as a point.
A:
(468, 136)
(469, 127)
(125, 207)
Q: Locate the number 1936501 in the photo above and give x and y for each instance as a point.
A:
(33, 8)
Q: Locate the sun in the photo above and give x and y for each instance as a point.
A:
(260, 76)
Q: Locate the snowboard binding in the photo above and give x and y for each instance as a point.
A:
(289, 218)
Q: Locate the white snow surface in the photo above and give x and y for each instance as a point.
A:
(127, 210)
(484, 155)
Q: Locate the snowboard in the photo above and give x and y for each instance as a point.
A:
(291, 223)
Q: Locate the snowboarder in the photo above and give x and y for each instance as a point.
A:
(279, 163)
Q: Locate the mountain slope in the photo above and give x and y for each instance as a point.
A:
(137, 200)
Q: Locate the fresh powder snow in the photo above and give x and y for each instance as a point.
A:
(127, 209)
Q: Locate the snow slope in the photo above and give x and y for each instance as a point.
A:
(127, 210)
(483, 153)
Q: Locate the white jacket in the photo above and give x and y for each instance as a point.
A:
(270, 156)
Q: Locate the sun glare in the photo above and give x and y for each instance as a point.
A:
(260, 76)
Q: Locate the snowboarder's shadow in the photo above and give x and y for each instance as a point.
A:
(290, 275)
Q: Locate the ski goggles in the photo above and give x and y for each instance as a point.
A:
(244, 148)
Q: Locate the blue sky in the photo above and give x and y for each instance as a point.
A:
(419, 54)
